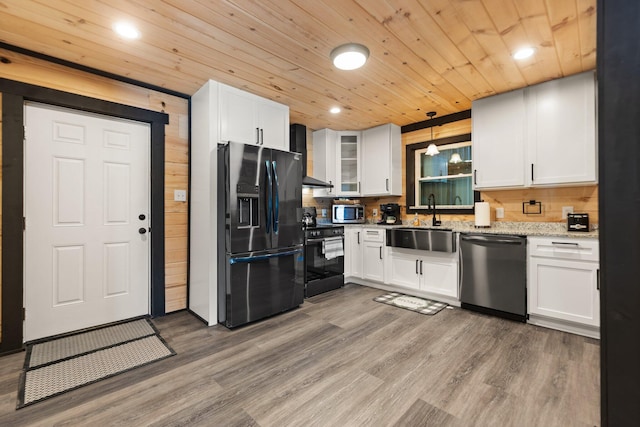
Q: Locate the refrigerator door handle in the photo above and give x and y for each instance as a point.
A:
(238, 260)
(269, 195)
(276, 208)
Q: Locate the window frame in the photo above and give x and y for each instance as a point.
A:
(410, 155)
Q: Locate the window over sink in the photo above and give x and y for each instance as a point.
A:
(447, 175)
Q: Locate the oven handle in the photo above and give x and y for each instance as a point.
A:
(321, 240)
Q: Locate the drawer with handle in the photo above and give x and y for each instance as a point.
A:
(373, 234)
(564, 248)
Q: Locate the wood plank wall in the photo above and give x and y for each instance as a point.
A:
(584, 199)
(42, 73)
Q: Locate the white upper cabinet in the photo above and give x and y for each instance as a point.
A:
(250, 119)
(348, 163)
(498, 141)
(273, 122)
(562, 131)
(367, 163)
(538, 136)
(381, 161)
(324, 161)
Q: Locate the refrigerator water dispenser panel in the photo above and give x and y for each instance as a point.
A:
(248, 205)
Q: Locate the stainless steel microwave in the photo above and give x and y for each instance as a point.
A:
(348, 214)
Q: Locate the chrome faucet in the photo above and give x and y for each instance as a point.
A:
(432, 198)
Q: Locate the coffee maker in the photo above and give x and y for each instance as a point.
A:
(390, 213)
(309, 216)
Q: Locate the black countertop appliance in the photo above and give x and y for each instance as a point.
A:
(390, 214)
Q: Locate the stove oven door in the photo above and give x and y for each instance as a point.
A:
(323, 271)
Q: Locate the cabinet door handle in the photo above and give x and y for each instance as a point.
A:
(598, 279)
(358, 237)
(421, 267)
(531, 172)
(475, 177)
(358, 186)
(330, 188)
(257, 136)
(387, 184)
(261, 136)
(417, 266)
(380, 252)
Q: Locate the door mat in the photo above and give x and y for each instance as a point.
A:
(408, 302)
(55, 366)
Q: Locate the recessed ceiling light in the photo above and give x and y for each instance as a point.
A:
(523, 53)
(334, 110)
(349, 56)
(126, 30)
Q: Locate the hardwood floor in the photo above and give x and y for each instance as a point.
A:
(341, 359)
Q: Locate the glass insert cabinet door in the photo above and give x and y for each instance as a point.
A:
(349, 162)
(447, 175)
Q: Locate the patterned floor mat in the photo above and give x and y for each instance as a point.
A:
(66, 363)
(408, 302)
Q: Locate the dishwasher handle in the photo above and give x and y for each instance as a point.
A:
(493, 239)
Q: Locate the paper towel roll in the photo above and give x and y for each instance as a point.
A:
(483, 214)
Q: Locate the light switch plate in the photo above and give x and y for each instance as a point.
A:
(324, 213)
(180, 195)
(375, 212)
(499, 213)
(566, 210)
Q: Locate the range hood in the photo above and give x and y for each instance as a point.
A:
(298, 143)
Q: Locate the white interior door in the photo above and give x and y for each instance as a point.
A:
(86, 203)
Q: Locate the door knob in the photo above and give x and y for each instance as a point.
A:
(141, 217)
(142, 230)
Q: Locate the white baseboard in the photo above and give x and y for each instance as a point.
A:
(561, 325)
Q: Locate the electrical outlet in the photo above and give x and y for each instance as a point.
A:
(566, 210)
(324, 213)
(375, 212)
(499, 213)
(180, 195)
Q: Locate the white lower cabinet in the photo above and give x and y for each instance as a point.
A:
(364, 256)
(373, 250)
(564, 284)
(353, 251)
(431, 272)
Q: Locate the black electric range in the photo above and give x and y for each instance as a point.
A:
(324, 258)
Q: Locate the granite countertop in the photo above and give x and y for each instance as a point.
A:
(550, 229)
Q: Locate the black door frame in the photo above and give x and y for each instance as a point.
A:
(14, 95)
(618, 65)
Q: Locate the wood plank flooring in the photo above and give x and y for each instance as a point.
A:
(341, 359)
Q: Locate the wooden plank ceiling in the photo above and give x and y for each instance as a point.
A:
(425, 54)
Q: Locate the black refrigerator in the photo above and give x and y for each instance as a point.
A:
(260, 238)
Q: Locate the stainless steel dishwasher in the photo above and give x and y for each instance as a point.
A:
(494, 274)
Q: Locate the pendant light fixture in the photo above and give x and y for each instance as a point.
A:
(432, 149)
(349, 56)
(455, 158)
